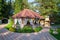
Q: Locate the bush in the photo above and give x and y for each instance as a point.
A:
(18, 30)
(58, 30)
(9, 25)
(51, 31)
(37, 29)
(27, 29)
(12, 29)
(57, 36)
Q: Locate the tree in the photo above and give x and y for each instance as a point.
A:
(2, 3)
(6, 9)
(20, 5)
(48, 8)
(0, 8)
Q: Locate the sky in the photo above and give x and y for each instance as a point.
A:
(28, 0)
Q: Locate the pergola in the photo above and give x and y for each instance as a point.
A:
(27, 14)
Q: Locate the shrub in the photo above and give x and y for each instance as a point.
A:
(51, 31)
(18, 30)
(58, 30)
(37, 29)
(27, 29)
(9, 25)
(12, 29)
(57, 36)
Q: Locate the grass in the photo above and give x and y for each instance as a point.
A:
(57, 36)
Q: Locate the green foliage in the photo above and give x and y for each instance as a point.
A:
(57, 36)
(0, 9)
(18, 30)
(58, 30)
(46, 6)
(9, 25)
(37, 29)
(5, 9)
(27, 29)
(51, 31)
(12, 29)
(20, 5)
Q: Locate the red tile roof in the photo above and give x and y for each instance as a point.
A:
(26, 13)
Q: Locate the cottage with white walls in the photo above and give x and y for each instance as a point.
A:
(27, 15)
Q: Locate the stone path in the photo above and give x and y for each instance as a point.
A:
(42, 35)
